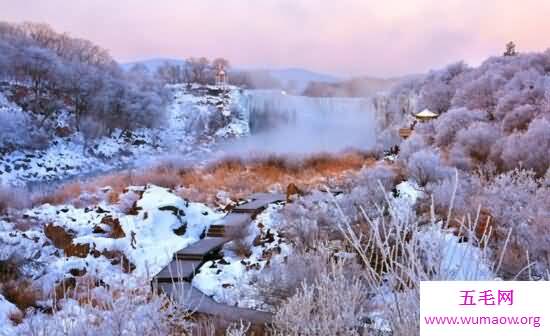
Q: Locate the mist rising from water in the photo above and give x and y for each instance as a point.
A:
(285, 124)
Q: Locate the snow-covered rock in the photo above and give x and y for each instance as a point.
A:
(6, 309)
(144, 243)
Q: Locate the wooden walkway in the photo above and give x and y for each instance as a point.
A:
(259, 202)
(178, 271)
(194, 300)
(175, 278)
(202, 249)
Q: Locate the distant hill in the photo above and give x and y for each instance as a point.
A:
(153, 64)
(355, 87)
(302, 75)
(296, 80)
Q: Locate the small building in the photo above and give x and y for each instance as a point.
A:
(426, 115)
(221, 77)
(423, 116)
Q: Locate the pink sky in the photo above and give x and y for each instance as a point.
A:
(347, 37)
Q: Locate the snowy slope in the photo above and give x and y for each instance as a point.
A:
(302, 76)
(192, 114)
(105, 242)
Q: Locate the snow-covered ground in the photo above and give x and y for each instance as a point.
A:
(195, 120)
(66, 240)
(6, 309)
(118, 247)
(230, 280)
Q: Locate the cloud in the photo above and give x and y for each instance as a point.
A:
(384, 38)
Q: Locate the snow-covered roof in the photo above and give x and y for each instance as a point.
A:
(427, 114)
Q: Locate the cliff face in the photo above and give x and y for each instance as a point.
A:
(394, 110)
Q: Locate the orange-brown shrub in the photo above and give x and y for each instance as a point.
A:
(237, 176)
(63, 194)
(9, 269)
(21, 293)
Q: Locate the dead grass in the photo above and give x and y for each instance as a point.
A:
(241, 178)
(238, 244)
(21, 293)
(13, 198)
(61, 195)
(9, 269)
(237, 176)
(211, 325)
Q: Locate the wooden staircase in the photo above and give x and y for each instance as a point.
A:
(186, 262)
(216, 230)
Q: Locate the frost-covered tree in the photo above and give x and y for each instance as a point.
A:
(510, 49)
(530, 150)
(517, 200)
(199, 68)
(56, 73)
(448, 124)
(477, 140)
(221, 62)
(439, 87)
(172, 73)
(425, 166)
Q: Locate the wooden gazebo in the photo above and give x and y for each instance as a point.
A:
(423, 116)
(426, 115)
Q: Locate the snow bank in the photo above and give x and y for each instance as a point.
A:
(229, 280)
(163, 224)
(6, 309)
(458, 261)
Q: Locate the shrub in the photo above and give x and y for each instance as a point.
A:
(519, 118)
(413, 144)
(425, 166)
(281, 281)
(12, 198)
(463, 200)
(309, 220)
(109, 312)
(530, 150)
(517, 200)
(477, 140)
(336, 303)
(240, 243)
(9, 269)
(22, 293)
(449, 123)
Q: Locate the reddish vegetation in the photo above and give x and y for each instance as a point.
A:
(77, 250)
(21, 293)
(292, 190)
(237, 176)
(483, 227)
(60, 238)
(117, 258)
(66, 192)
(241, 178)
(63, 240)
(9, 269)
(116, 231)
